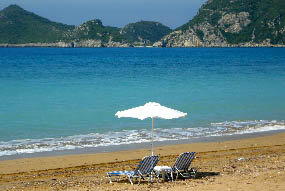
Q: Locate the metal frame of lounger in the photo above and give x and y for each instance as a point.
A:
(144, 168)
(182, 164)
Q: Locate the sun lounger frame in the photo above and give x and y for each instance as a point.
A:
(183, 163)
(144, 169)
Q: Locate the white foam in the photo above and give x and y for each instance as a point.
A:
(15, 147)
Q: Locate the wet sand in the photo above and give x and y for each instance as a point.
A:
(246, 164)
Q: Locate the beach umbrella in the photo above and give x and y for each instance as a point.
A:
(151, 110)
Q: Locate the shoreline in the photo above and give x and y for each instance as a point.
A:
(135, 146)
(71, 159)
(245, 164)
(69, 45)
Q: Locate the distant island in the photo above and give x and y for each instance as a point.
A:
(218, 23)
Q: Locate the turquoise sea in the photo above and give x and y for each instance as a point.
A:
(63, 98)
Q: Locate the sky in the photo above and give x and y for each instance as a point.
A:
(172, 13)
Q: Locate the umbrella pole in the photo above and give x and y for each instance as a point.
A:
(152, 138)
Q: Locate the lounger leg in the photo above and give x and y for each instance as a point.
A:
(171, 175)
(193, 172)
(109, 177)
(177, 175)
(141, 177)
(157, 177)
(153, 175)
(130, 179)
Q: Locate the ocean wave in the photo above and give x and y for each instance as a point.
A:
(15, 147)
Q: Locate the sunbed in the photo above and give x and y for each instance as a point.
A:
(182, 164)
(143, 170)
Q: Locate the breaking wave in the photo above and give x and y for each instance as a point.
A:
(15, 147)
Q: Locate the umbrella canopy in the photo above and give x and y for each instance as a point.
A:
(151, 110)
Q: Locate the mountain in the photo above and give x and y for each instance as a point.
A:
(94, 34)
(218, 23)
(19, 26)
(222, 23)
(94, 29)
(145, 32)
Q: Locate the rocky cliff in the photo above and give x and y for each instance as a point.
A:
(218, 23)
(229, 23)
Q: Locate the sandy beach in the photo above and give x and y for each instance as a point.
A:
(246, 164)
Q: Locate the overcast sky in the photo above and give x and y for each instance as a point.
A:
(172, 13)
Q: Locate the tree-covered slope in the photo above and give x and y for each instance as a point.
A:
(233, 22)
(146, 32)
(218, 23)
(20, 26)
(94, 29)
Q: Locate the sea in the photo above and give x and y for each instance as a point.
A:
(60, 99)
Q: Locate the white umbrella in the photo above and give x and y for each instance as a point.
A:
(151, 110)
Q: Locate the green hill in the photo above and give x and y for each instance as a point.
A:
(218, 23)
(233, 22)
(94, 29)
(20, 26)
(145, 32)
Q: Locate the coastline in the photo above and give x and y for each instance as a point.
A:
(80, 157)
(97, 44)
(139, 146)
(244, 164)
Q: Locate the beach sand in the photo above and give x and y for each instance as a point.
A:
(245, 164)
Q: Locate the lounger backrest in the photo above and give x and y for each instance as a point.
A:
(147, 164)
(183, 161)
